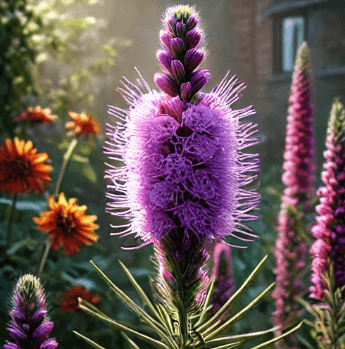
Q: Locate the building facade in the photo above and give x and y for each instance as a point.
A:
(267, 34)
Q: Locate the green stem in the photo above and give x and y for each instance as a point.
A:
(66, 158)
(44, 257)
(10, 220)
(183, 323)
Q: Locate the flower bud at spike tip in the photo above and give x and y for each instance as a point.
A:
(193, 59)
(166, 84)
(30, 326)
(164, 59)
(177, 70)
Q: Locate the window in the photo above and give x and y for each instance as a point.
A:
(292, 38)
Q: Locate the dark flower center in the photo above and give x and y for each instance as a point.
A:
(66, 223)
(20, 167)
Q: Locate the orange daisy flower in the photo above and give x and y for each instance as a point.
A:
(67, 225)
(21, 168)
(70, 298)
(37, 115)
(82, 124)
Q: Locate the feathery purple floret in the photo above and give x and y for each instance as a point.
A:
(298, 177)
(184, 166)
(330, 228)
(183, 174)
(30, 326)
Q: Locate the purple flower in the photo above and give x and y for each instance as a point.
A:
(329, 230)
(222, 274)
(299, 165)
(30, 326)
(183, 182)
(290, 252)
(298, 177)
(183, 163)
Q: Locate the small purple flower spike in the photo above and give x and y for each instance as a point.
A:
(298, 177)
(30, 326)
(299, 166)
(330, 229)
(222, 274)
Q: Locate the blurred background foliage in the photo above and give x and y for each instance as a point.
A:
(61, 54)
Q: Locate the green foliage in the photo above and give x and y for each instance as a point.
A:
(39, 37)
(19, 24)
(167, 326)
(328, 323)
(71, 43)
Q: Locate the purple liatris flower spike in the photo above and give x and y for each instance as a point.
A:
(30, 326)
(223, 277)
(184, 182)
(184, 165)
(330, 228)
(298, 177)
(299, 165)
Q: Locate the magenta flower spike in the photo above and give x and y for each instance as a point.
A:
(182, 186)
(299, 165)
(30, 326)
(329, 230)
(298, 177)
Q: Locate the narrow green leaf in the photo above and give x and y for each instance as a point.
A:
(237, 316)
(127, 300)
(132, 343)
(308, 307)
(213, 342)
(166, 318)
(304, 342)
(142, 294)
(215, 317)
(197, 315)
(205, 308)
(87, 340)
(142, 313)
(266, 344)
(229, 346)
(117, 325)
(90, 306)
